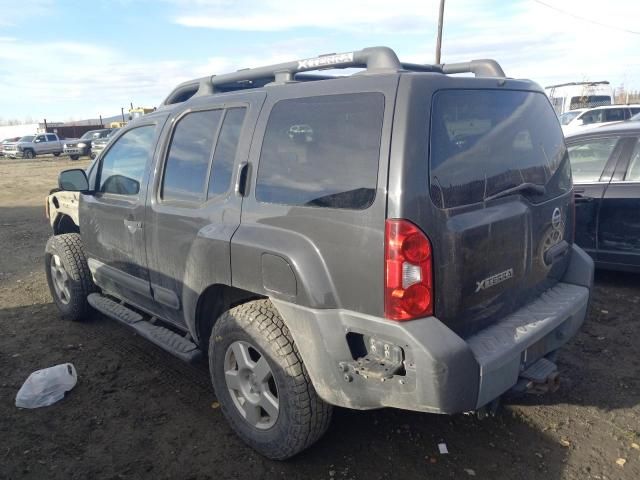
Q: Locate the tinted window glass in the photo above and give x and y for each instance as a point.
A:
(633, 172)
(589, 158)
(185, 174)
(225, 152)
(51, 138)
(485, 142)
(123, 165)
(594, 116)
(322, 151)
(614, 114)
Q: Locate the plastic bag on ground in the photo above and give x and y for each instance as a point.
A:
(45, 387)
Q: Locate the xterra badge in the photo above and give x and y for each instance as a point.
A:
(494, 280)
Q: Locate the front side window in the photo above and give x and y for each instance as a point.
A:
(594, 116)
(322, 151)
(589, 158)
(41, 138)
(123, 165)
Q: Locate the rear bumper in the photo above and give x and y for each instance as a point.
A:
(443, 373)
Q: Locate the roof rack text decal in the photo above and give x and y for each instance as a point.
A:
(326, 60)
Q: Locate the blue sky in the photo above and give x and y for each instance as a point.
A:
(66, 59)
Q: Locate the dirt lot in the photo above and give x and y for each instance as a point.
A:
(139, 413)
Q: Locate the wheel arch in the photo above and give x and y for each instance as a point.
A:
(213, 302)
(64, 224)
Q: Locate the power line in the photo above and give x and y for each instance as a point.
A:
(584, 19)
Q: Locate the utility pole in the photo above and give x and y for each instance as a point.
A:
(439, 39)
(122, 113)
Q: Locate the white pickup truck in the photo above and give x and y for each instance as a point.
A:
(30, 146)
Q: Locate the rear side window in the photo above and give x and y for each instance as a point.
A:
(187, 164)
(51, 138)
(484, 142)
(225, 154)
(633, 172)
(588, 158)
(322, 151)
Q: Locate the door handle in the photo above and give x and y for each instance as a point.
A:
(241, 182)
(581, 198)
(132, 225)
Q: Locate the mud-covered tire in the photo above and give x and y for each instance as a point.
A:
(69, 250)
(302, 417)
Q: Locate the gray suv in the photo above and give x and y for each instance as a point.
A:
(400, 237)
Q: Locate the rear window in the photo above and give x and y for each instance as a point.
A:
(485, 142)
(587, 101)
(322, 151)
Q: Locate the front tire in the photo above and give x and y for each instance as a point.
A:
(68, 275)
(74, 157)
(56, 154)
(28, 154)
(262, 384)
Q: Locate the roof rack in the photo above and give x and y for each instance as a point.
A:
(602, 82)
(374, 60)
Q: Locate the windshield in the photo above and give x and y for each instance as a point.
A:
(28, 138)
(485, 142)
(90, 134)
(565, 118)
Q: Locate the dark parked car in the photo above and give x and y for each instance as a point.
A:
(82, 146)
(402, 238)
(606, 173)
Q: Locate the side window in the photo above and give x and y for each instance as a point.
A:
(614, 115)
(123, 165)
(187, 164)
(225, 153)
(633, 172)
(40, 138)
(51, 138)
(322, 151)
(594, 116)
(588, 159)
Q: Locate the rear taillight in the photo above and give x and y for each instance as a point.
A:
(408, 272)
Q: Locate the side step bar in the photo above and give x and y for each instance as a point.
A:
(166, 339)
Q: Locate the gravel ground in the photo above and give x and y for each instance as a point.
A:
(137, 412)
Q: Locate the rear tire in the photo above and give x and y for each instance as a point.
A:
(68, 275)
(57, 154)
(74, 157)
(294, 417)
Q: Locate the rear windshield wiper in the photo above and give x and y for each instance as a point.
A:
(523, 187)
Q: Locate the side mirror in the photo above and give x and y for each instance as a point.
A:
(73, 180)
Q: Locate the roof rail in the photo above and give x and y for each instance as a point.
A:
(373, 59)
(480, 68)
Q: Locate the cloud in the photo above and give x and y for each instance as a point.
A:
(88, 80)
(275, 15)
(13, 13)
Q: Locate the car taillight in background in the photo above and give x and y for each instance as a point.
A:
(408, 271)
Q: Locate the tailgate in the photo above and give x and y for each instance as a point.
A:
(501, 182)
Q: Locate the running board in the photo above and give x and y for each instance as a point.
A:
(166, 339)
